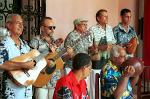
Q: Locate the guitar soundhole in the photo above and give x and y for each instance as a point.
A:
(49, 70)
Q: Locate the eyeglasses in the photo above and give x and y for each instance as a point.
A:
(50, 27)
(83, 24)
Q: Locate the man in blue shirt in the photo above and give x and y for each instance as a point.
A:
(10, 47)
(123, 32)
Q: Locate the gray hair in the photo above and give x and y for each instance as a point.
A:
(115, 51)
(9, 17)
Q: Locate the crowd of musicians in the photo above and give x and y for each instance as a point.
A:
(83, 53)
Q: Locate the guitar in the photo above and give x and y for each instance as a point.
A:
(28, 77)
(132, 48)
(46, 74)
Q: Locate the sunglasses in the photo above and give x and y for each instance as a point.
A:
(50, 27)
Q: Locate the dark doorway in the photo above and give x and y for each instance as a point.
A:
(31, 10)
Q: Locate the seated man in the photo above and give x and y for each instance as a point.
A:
(116, 84)
(73, 85)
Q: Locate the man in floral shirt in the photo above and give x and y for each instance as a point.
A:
(116, 82)
(103, 37)
(10, 47)
(45, 43)
(123, 31)
(79, 39)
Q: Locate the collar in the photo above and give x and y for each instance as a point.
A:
(74, 79)
(46, 38)
(11, 40)
(99, 26)
(114, 67)
(75, 31)
(122, 28)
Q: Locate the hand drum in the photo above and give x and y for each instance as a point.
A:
(137, 63)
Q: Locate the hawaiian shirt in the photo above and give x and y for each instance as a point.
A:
(78, 42)
(42, 46)
(122, 36)
(68, 87)
(3, 56)
(9, 50)
(100, 34)
(110, 77)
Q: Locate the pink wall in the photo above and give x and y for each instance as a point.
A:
(65, 11)
(134, 6)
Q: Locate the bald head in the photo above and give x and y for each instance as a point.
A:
(136, 63)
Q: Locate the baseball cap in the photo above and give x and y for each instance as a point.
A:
(78, 21)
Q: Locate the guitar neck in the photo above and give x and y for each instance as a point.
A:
(60, 54)
(64, 50)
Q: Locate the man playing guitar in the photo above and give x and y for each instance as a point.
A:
(45, 42)
(10, 47)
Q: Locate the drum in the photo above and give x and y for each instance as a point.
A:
(136, 63)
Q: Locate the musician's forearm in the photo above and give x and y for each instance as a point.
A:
(134, 80)
(9, 65)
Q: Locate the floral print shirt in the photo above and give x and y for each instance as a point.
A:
(122, 36)
(100, 34)
(110, 77)
(79, 43)
(42, 46)
(9, 50)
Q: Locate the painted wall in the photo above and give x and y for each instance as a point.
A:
(134, 6)
(65, 11)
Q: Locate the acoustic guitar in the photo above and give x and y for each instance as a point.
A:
(28, 77)
(46, 74)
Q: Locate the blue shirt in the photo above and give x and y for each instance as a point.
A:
(110, 77)
(122, 36)
(9, 50)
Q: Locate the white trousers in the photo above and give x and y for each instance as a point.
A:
(91, 84)
(44, 93)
